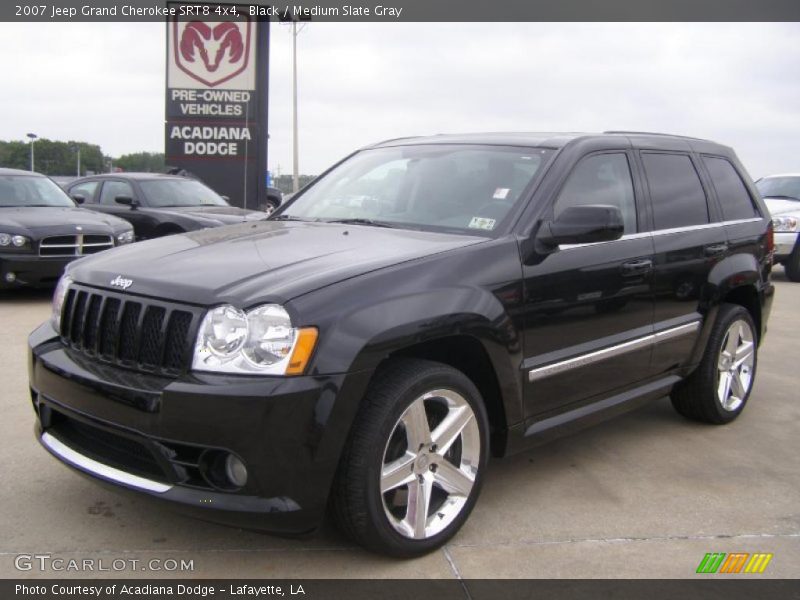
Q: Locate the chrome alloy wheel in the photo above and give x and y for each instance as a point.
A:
(735, 365)
(430, 464)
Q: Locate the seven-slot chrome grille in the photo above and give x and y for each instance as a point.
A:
(79, 244)
(129, 331)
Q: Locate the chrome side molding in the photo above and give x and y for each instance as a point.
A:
(611, 351)
(89, 465)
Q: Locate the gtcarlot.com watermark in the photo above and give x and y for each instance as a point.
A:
(48, 563)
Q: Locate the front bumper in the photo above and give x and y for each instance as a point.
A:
(784, 244)
(31, 270)
(150, 434)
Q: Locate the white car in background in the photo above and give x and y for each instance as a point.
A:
(782, 196)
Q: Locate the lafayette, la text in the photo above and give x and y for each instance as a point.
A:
(345, 10)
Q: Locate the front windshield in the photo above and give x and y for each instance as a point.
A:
(179, 192)
(26, 190)
(465, 188)
(785, 187)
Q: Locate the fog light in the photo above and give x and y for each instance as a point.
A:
(11, 277)
(235, 471)
(223, 470)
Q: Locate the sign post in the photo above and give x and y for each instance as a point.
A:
(216, 101)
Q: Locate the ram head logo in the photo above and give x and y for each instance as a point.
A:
(212, 52)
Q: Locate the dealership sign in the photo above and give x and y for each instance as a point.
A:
(216, 102)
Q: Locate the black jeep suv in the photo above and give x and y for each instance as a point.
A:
(422, 303)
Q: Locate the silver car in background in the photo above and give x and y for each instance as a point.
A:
(782, 196)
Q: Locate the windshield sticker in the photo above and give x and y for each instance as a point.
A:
(501, 193)
(482, 223)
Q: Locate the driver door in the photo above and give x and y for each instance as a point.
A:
(589, 307)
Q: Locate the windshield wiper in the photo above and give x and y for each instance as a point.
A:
(361, 221)
(782, 197)
(284, 218)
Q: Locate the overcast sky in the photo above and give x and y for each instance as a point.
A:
(360, 83)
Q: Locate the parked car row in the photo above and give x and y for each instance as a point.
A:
(42, 229)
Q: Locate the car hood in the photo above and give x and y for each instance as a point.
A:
(778, 206)
(52, 220)
(248, 263)
(225, 214)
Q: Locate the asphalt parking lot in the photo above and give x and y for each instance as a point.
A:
(646, 495)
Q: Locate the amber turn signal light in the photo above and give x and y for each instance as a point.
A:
(303, 349)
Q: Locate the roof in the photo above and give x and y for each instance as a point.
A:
(133, 175)
(550, 140)
(4, 171)
(781, 175)
(556, 139)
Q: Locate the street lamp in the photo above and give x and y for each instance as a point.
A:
(295, 142)
(77, 149)
(32, 137)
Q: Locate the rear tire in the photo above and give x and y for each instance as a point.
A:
(413, 464)
(718, 390)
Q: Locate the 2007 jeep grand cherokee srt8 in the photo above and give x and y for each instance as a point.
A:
(423, 302)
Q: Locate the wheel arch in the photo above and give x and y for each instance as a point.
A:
(468, 355)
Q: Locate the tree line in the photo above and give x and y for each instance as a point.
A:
(57, 158)
(53, 157)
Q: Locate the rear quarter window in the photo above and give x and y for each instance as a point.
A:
(733, 195)
(677, 194)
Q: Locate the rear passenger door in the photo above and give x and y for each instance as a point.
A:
(689, 239)
(743, 223)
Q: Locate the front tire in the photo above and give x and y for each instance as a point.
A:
(792, 264)
(719, 388)
(413, 464)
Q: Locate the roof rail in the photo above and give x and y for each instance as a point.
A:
(685, 137)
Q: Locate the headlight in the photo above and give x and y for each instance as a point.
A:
(13, 241)
(58, 300)
(259, 341)
(126, 237)
(785, 224)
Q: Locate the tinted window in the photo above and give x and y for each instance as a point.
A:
(675, 189)
(85, 189)
(113, 189)
(601, 179)
(733, 196)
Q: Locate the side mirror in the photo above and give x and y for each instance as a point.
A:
(583, 225)
(226, 198)
(127, 201)
(79, 198)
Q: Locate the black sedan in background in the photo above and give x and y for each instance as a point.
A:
(41, 230)
(158, 205)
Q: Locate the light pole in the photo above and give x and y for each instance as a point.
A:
(32, 137)
(77, 150)
(295, 149)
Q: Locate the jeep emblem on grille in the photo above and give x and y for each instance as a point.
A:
(120, 281)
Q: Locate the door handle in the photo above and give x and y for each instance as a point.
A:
(637, 267)
(715, 249)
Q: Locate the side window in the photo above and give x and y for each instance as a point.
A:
(86, 190)
(733, 196)
(675, 190)
(112, 189)
(601, 179)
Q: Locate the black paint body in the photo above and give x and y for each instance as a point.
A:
(499, 307)
(151, 221)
